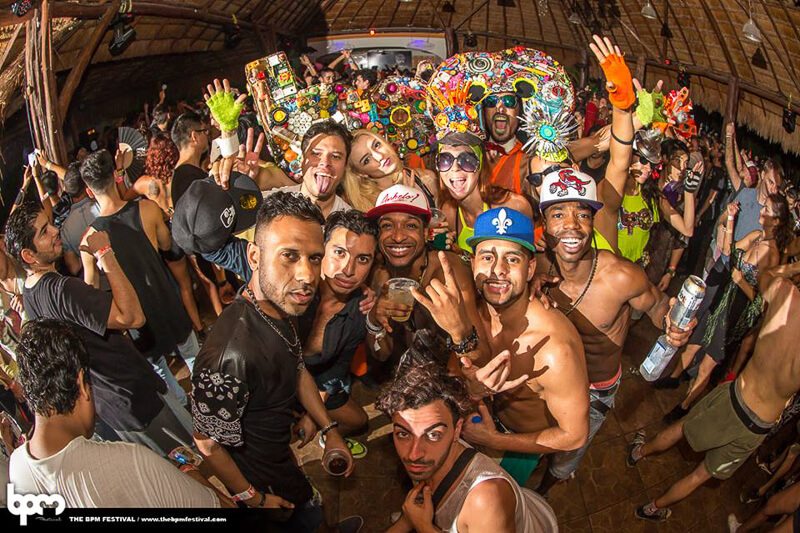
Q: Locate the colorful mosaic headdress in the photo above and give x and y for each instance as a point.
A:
(548, 131)
(452, 109)
(678, 115)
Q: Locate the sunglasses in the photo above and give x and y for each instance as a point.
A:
(467, 161)
(536, 178)
(509, 100)
(643, 160)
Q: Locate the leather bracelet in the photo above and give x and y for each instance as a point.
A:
(469, 344)
(620, 141)
(333, 425)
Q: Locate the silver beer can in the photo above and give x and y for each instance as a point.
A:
(689, 300)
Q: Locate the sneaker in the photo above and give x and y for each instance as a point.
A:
(660, 515)
(351, 524)
(733, 523)
(676, 414)
(357, 450)
(749, 496)
(637, 441)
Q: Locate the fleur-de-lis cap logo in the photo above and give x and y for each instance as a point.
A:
(502, 222)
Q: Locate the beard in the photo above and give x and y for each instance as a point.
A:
(280, 300)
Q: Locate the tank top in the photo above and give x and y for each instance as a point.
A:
(167, 323)
(466, 232)
(601, 243)
(505, 173)
(633, 226)
(532, 513)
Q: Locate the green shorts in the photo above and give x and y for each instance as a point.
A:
(713, 426)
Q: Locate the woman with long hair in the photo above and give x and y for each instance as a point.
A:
(374, 166)
(677, 186)
(466, 191)
(155, 185)
(732, 304)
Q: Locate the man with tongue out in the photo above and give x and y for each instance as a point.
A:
(597, 292)
(326, 146)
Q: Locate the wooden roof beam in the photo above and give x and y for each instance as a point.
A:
(712, 19)
(85, 57)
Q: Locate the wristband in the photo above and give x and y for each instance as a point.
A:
(228, 146)
(246, 494)
(469, 344)
(671, 271)
(101, 253)
(188, 468)
(373, 328)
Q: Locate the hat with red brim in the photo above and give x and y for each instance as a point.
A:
(401, 199)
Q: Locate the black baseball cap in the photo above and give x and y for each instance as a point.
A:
(206, 215)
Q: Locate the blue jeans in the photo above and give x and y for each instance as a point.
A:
(162, 369)
(189, 349)
(564, 464)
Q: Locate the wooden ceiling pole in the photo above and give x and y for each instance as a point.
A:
(57, 151)
(712, 19)
(85, 57)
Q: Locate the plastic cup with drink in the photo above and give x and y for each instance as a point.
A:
(400, 292)
(438, 229)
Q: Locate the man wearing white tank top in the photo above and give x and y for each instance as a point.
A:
(455, 487)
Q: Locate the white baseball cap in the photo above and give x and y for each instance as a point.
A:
(402, 199)
(568, 185)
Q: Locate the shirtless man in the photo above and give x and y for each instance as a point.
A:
(597, 292)
(550, 411)
(402, 214)
(733, 419)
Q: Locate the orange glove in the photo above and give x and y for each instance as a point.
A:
(619, 82)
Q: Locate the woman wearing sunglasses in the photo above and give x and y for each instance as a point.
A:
(677, 187)
(374, 166)
(465, 188)
(639, 210)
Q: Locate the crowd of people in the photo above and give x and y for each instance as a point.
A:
(487, 293)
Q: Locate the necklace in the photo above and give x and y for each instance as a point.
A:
(588, 283)
(295, 348)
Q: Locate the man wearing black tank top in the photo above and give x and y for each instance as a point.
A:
(141, 241)
(250, 376)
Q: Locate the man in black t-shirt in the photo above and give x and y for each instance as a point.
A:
(190, 135)
(250, 375)
(129, 395)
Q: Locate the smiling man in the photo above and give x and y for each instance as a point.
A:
(402, 214)
(456, 488)
(549, 410)
(334, 326)
(596, 293)
(326, 146)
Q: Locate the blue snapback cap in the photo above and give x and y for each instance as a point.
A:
(505, 224)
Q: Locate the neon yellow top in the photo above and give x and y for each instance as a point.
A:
(633, 226)
(601, 243)
(467, 232)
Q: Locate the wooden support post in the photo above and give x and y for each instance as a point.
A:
(584, 69)
(85, 57)
(641, 69)
(266, 39)
(451, 40)
(56, 151)
(732, 105)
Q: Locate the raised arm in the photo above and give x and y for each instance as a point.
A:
(730, 150)
(126, 311)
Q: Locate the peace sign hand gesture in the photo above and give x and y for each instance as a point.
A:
(445, 304)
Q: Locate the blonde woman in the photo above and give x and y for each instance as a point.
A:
(374, 166)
